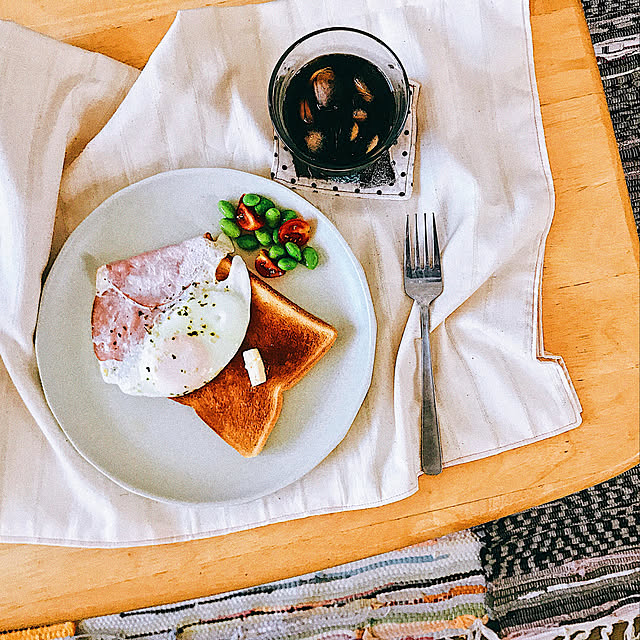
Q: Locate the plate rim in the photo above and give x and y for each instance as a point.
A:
(371, 323)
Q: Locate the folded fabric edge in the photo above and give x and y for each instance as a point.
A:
(514, 445)
(92, 544)
(537, 346)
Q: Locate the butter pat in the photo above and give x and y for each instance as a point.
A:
(254, 366)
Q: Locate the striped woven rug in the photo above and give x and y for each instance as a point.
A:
(431, 590)
(568, 567)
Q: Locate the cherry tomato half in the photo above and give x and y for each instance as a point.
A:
(296, 231)
(266, 267)
(247, 218)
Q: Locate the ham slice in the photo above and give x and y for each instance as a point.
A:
(118, 323)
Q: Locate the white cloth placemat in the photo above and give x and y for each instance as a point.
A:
(481, 165)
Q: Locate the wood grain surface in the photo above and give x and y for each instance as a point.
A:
(590, 313)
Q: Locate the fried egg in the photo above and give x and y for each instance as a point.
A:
(184, 343)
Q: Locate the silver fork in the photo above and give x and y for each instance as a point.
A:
(423, 283)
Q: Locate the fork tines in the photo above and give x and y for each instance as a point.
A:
(421, 260)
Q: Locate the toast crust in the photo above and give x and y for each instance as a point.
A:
(290, 340)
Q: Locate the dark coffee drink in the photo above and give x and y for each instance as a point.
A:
(339, 108)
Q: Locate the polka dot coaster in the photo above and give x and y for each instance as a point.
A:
(390, 177)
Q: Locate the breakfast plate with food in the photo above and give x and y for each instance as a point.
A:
(205, 336)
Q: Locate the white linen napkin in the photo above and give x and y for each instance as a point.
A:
(76, 127)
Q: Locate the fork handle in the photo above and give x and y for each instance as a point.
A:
(430, 449)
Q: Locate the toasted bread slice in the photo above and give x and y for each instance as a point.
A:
(290, 341)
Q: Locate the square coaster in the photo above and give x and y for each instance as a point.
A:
(390, 177)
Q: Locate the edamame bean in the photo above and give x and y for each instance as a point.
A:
(277, 251)
(288, 214)
(248, 242)
(276, 240)
(287, 264)
(263, 237)
(230, 228)
(251, 199)
(272, 217)
(310, 257)
(263, 206)
(227, 209)
(293, 250)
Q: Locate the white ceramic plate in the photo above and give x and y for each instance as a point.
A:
(157, 447)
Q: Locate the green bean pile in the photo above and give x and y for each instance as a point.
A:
(280, 234)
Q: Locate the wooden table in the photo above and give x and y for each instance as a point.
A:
(590, 316)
